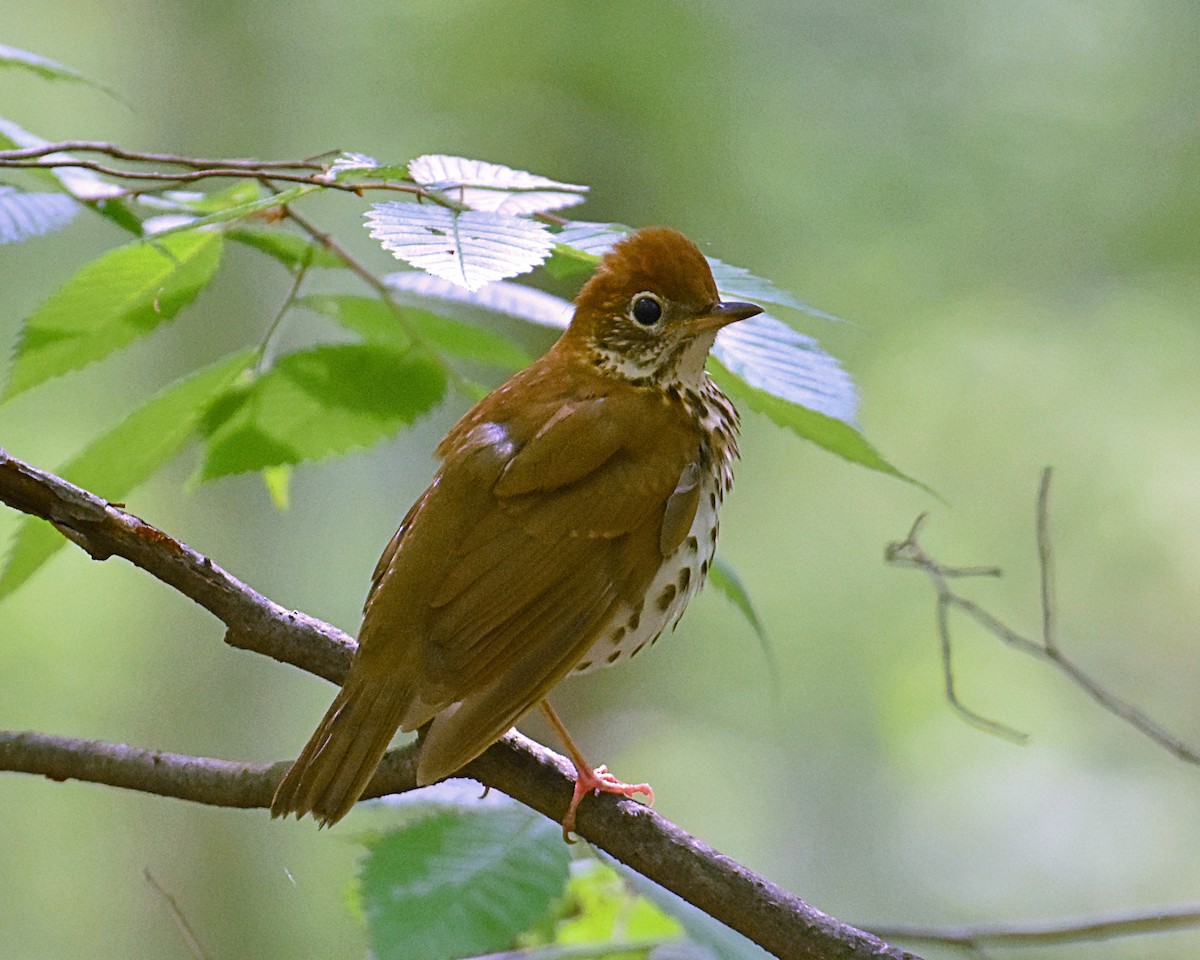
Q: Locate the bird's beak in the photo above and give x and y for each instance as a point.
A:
(723, 314)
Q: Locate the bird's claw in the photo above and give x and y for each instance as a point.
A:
(600, 780)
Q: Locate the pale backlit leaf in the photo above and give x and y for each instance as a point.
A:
(24, 215)
(529, 318)
(493, 187)
(770, 355)
(592, 239)
(738, 283)
(469, 248)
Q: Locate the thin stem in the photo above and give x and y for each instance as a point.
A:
(186, 933)
(330, 243)
(909, 553)
(1045, 933)
(288, 302)
(1046, 561)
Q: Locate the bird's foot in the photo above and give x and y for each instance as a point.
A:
(599, 780)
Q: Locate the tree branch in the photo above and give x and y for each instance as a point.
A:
(909, 553)
(770, 916)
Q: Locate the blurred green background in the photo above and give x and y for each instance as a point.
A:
(1003, 198)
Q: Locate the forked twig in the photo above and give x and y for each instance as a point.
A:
(909, 553)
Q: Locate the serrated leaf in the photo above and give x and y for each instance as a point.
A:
(124, 294)
(316, 403)
(493, 187)
(116, 462)
(469, 248)
(738, 283)
(25, 215)
(771, 356)
(290, 249)
(834, 435)
(81, 184)
(373, 319)
(457, 884)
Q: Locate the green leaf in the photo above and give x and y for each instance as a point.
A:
(458, 884)
(467, 247)
(725, 579)
(116, 462)
(358, 167)
(832, 434)
(604, 909)
(372, 319)
(278, 481)
(290, 249)
(239, 211)
(490, 186)
(25, 215)
(45, 68)
(111, 301)
(316, 403)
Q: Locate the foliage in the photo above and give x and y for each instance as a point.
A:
(450, 881)
(476, 225)
(462, 876)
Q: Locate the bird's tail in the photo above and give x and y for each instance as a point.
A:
(340, 758)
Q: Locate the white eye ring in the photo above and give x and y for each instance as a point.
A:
(646, 309)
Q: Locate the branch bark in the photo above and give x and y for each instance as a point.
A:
(773, 918)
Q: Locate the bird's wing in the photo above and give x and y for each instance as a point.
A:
(529, 542)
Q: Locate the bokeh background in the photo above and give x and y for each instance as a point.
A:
(1001, 198)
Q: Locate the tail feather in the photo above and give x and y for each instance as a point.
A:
(340, 757)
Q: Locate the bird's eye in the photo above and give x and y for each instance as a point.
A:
(646, 309)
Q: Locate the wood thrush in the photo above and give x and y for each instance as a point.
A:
(573, 517)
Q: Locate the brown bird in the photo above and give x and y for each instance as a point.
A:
(572, 518)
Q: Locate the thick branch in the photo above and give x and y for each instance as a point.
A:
(635, 835)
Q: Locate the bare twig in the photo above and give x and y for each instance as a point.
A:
(770, 916)
(186, 933)
(208, 173)
(1044, 933)
(170, 159)
(382, 290)
(909, 552)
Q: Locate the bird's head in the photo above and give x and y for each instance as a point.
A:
(651, 312)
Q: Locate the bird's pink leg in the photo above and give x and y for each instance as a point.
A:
(588, 780)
